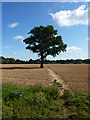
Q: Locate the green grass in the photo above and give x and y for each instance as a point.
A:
(42, 102)
(79, 104)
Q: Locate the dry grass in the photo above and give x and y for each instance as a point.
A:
(75, 75)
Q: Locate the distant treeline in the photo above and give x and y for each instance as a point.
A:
(68, 61)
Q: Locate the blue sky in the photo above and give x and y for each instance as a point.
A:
(70, 19)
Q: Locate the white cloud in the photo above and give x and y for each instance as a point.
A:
(18, 37)
(21, 38)
(73, 49)
(69, 18)
(6, 46)
(13, 25)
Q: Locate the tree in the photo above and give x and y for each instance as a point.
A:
(44, 41)
(7, 60)
(11, 60)
(18, 61)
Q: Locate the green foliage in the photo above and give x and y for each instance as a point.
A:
(57, 84)
(32, 102)
(79, 103)
(7, 60)
(19, 61)
(11, 60)
(43, 102)
(43, 40)
(37, 61)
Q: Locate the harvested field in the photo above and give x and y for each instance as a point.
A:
(75, 75)
(25, 75)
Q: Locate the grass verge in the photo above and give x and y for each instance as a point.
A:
(42, 102)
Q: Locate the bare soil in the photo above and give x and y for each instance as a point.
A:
(73, 75)
(25, 75)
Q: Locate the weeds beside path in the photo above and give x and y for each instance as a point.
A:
(43, 102)
(58, 79)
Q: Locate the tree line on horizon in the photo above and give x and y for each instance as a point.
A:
(4, 60)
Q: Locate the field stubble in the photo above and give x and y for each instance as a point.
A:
(75, 75)
(25, 75)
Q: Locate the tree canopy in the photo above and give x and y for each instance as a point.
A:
(44, 41)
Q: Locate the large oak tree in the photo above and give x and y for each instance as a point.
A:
(44, 41)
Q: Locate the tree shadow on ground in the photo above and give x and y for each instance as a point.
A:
(20, 68)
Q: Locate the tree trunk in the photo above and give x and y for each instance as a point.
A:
(41, 61)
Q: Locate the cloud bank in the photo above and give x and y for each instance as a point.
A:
(73, 49)
(70, 18)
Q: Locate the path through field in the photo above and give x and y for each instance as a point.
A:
(54, 76)
(72, 76)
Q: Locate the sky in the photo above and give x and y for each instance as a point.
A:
(69, 18)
